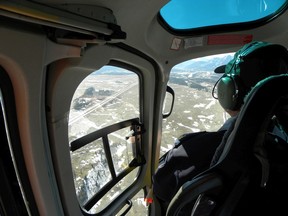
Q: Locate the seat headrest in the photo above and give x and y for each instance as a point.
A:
(260, 105)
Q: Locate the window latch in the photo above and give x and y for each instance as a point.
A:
(134, 137)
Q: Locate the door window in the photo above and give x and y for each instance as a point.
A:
(104, 130)
(194, 107)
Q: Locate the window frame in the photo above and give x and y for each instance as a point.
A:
(102, 133)
(171, 136)
(223, 27)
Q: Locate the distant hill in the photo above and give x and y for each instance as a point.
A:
(112, 70)
(199, 73)
(208, 63)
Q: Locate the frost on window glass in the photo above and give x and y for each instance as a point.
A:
(194, 108)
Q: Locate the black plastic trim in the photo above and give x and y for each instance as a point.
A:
(15, 146)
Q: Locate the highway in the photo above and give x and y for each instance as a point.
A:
(74, 119)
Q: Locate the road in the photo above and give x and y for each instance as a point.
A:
(74, 119)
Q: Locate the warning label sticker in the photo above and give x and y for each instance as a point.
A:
(229, 39)
(193, 42)
(176, 43)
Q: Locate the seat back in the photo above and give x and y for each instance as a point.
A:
(243, 170)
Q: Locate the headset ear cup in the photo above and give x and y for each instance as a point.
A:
(228, 93)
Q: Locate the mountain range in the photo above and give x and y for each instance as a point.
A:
(208, 63)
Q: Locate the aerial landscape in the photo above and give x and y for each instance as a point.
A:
(112, 95)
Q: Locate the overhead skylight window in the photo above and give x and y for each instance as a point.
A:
(192, 14)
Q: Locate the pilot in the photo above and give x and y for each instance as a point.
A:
(193, 153)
